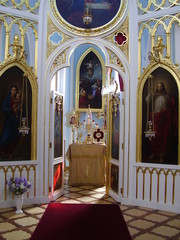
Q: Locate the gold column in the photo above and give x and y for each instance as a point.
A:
(168, 39)
(139, 57)
(36, 54)
(7, 44)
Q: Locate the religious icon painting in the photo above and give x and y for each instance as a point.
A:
(58, 126)
(114, 178)
(58, 176)
(115, 136)
(73, 119)
(103, 11)
(160, 118)
(90, 72)
(15, 115)
(98, 136)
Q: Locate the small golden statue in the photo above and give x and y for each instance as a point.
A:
(17, 49)
(158, 49)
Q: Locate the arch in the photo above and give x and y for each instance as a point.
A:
(65, 51)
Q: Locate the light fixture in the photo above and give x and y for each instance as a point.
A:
(23, 125)
(87, 17)
(150, 133)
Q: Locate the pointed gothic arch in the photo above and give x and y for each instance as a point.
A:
(167, 74)
(10, 64)
(87, 78)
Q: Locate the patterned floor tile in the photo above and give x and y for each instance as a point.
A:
(136, 212)
(174, 223)
(156, 218)
(12, 215)
(17, 235)
(27, 221)
(98, 195)
(87, 192)
(72, 195)
(148, 236)
(5, 226)
(85, 199)
(166, 231)
(35, 210)
(71, 201)
(141, 224)
(133, 231)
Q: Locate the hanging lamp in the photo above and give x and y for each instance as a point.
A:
(23, 123)
(150, 133)
(87, 17)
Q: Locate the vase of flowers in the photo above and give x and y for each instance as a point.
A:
(18, 186)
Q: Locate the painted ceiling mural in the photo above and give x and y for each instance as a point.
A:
(102, 11)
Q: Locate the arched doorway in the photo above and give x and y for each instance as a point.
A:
(66, 77)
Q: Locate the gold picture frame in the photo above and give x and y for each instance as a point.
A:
(87, 59)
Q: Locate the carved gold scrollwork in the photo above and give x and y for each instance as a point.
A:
(113, 58)
(60, 59)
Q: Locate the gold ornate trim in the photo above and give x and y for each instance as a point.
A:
(78, 79)
(156, 5)
(152, 25)
(23, 5)
(113, 59)
(60, 59)
(12, 61)
(51, 28)
(94, 31)
(158, 172)
(174, 70)
(11, 170)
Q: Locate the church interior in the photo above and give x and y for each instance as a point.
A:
(90, 111)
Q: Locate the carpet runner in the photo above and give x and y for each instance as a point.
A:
(82, 222)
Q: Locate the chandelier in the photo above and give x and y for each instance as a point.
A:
(87, 17)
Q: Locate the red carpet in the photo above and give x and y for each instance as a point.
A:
(81, 222)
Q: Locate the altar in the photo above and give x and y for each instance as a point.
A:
(86, 164)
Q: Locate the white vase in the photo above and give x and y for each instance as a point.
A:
(19, 203)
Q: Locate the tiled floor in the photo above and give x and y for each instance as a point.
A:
(143, 223)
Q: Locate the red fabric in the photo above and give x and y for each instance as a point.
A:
(165, 125)
(121, 83)
(81, 222)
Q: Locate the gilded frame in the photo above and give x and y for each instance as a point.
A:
(78, 80)
(11, 62)
(93, 31)
(175, 72)
(73, 119)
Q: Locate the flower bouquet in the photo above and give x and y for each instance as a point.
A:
(18, 186)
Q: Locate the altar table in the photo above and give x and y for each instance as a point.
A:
(86, 164)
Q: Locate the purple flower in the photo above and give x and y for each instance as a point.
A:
(18, 186)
